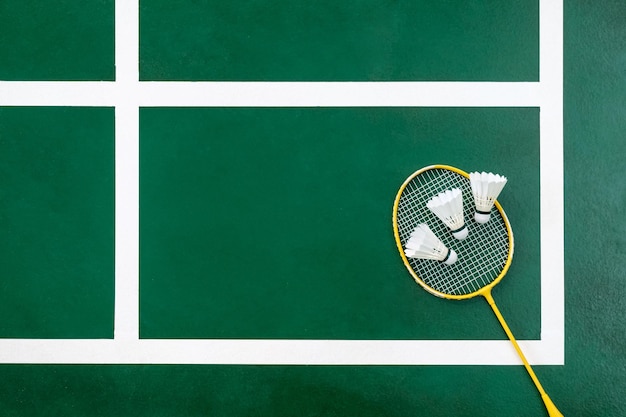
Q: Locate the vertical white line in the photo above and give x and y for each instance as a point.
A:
(126, 222)
(126, 41)
(551, 166)
(126, 171)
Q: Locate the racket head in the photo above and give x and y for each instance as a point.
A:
(484, 256)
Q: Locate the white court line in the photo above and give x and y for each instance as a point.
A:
(338, 94)
(61, 93)
(127, 94)
(272, 94)
(552, 173)
(267, 352)
(126, 324)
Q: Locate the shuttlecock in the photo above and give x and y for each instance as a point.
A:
(485, 187)
(423, 244)
(448, 206)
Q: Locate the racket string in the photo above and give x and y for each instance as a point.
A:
(482, 255)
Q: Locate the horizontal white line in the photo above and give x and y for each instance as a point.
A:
(295, 94)
(272, 94)
(62, 93)
(274, 352)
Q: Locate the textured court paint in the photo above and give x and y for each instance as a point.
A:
(56, 222)
(308, 391)
(56, 40)
(275, 223)
(595, 192)
(365, 40)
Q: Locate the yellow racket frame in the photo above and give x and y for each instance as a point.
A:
(484, 291)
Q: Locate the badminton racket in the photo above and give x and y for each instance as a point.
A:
(484, 256)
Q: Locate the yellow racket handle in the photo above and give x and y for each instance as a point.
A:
(552, 410)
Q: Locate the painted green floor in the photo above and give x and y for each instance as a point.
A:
(57, 40)
(50, 299)
(362, 40)
(57, 214)
(296, 227)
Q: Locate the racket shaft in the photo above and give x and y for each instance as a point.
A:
(552, 410)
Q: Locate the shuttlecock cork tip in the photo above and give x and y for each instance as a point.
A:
(461, 233)
(452, 257)
(481, 217)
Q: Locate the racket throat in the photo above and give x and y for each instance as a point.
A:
(550, 407)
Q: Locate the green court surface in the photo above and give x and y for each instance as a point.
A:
(57, 193)
(57, 40)
(287, 211)
(363, 40)
(274, 223)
